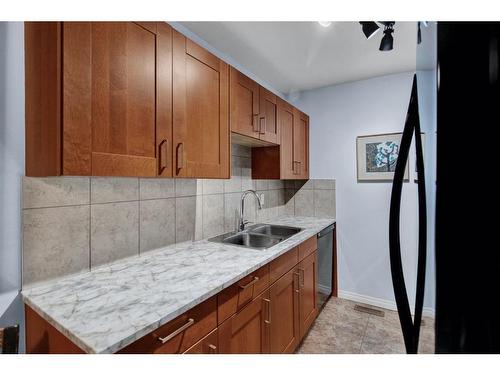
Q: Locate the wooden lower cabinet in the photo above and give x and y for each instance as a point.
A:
(180, 334)
(247, 331)
(284, 296)
(267, 311)
(308, 279)
(207, 345)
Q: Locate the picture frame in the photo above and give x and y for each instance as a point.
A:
(377, 156)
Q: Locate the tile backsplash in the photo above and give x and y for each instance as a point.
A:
(73, 224)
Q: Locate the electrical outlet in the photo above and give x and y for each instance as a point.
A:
(262, 200)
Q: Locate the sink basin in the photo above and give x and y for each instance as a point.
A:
(257, 236)
(274, 230)
(253, 240)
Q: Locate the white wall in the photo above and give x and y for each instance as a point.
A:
(338, 114)
(11, 169)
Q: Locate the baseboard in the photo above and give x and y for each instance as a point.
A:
(379, 302)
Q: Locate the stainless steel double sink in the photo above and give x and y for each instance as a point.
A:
(257, 236)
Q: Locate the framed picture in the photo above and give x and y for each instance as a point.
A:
(377, 156)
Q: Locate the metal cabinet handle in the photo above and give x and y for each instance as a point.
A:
(268, 303)
(301, 277)
(298, 282)
(213, 348)
(165, 339)
(180, 156)
(255, 120)
(163, 155)
(260, 125)
(255, 279)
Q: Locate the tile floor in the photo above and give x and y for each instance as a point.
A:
(339, 329)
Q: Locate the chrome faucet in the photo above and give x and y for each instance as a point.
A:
(241, 222)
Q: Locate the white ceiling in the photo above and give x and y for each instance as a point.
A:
(296, 56)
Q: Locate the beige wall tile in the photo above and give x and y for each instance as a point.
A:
(232, 211)
(324, 184)
(324, 203)
(289, 202)
(157, 223)
(213, 215)
(304, 203)
(186, 187)
(55, 191)
(304, 184)
(262, 184)
(113, 189)
(156, 188)
(114, 231)
(213, 186)
(272, 204)
(289, 184)
(240, 150)
(246, 179)
(185, 218)
(276, 184)
(234, 183)
(198, 224)
(55, 242)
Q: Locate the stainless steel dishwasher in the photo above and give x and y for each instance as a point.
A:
(325, 264)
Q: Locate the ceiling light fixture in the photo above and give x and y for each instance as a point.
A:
(325, 23)
(370, 28)
(387, 42)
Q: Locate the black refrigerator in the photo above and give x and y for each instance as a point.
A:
(459, 251)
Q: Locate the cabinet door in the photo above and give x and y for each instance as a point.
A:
(301, 145)
(207, 345)
(269, 129)
(109, 99)
(284, 296)
(244, 100)
(308, 277)
(200, 107)
(247, 332)
(286, 117)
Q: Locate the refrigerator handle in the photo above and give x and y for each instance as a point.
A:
(410, 328)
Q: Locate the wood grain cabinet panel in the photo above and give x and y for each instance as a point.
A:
(269, 129)
(284, 295)
(247, 332)
(301, 145)
(179, 334)
(244, 99)
(200, 111)
(207, 345)
(283, 264)
(290, 160)
(236, 296)
(308, 286)
(307, 247)
(107, 98)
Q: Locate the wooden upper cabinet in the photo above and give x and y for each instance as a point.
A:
(106, 108)
(269, 129)
(286, 119)
(200, 111)
(300, 145)
(109, 99)
(244, 99)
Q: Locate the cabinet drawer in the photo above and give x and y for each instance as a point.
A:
(307, 247)
(236, 296)
(283, 264)
(179, 334)
(207, 345)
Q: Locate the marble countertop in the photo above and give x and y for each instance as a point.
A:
(104, 310)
